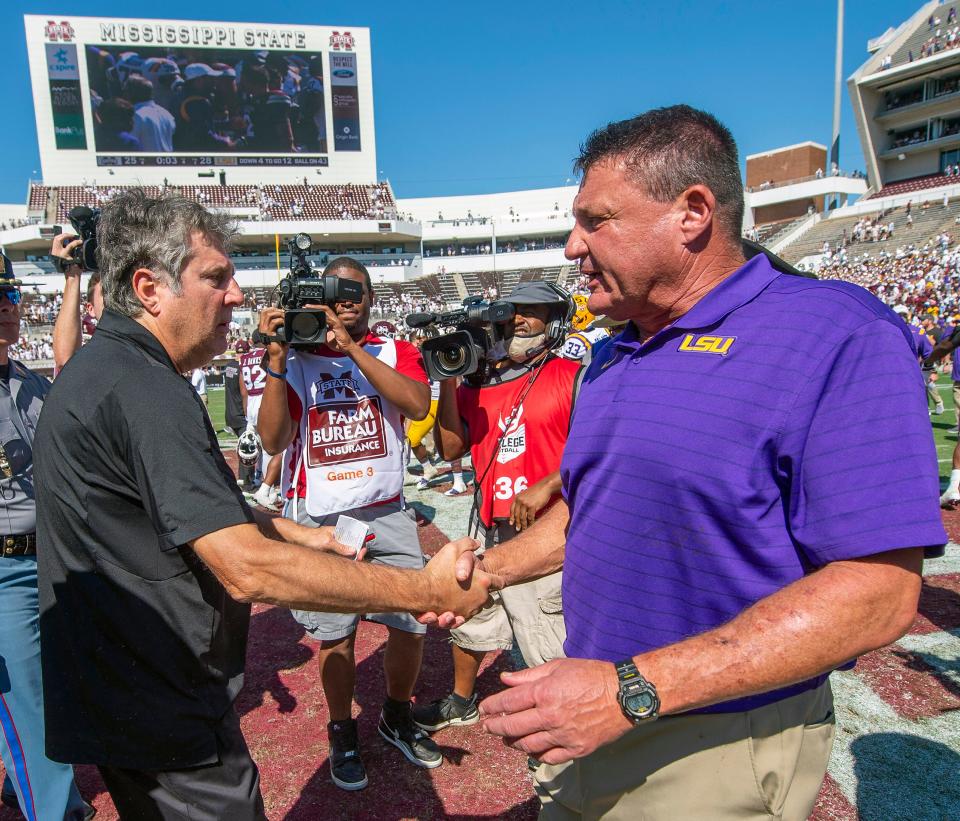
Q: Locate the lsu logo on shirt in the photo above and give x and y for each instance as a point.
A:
(707, 344)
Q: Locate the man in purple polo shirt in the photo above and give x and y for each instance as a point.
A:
(734, 531)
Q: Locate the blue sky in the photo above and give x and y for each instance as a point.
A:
(483, 97)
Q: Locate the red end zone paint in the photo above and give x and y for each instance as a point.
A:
(939, 607)
(832, 804)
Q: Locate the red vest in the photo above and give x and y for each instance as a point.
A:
(532, 446)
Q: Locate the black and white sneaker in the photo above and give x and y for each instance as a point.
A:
(452, 710)
(400, 730)
(346, 766)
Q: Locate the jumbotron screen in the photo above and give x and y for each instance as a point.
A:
(140, 94)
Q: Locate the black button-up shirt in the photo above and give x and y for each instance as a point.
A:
(142, 648)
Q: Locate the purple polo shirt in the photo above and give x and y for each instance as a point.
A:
(779, 425)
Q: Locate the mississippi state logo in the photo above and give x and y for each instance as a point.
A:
(59, 32)
(513, 441)
(343, 41)
(328, 385)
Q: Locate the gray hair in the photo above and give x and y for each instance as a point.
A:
(139, 231)
(666, 150)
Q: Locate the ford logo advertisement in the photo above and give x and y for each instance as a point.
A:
(342, 73)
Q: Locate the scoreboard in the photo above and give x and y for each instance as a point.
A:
(146, 101)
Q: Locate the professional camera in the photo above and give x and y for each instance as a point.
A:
(85, 221)
(476, 344)
(307, 327)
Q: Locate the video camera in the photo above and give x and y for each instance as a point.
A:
(85, 221)
(307, 327)
(476, 344)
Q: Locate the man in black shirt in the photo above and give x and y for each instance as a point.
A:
(150, 555)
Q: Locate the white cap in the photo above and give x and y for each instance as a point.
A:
(194, 70)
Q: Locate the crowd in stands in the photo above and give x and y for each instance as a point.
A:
(15, 223)
(398, 305)
(925, 277)
(943, 35)
(914, 137)
(40, 309)
(32, 349)
(513, 214)
(897, 99)
(271, 202)
(508, 247)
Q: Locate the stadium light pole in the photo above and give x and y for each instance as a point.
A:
(837, 84)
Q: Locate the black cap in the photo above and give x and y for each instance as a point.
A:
(534, 293)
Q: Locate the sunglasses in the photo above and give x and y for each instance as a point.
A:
(13, 294)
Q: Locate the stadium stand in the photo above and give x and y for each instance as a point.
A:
(928, 223)
(922, 183)
(249, 202)
(940, 33)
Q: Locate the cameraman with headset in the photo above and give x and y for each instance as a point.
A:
(339, 408)
(515, 425)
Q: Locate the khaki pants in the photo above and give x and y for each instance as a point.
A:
(531, 611)
(765, 762)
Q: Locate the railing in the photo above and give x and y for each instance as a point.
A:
(501, 218)
(853, 175)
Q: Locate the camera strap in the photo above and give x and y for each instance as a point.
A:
(473, 525)
(265, 339)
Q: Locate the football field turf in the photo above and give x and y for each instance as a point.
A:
(943, 428)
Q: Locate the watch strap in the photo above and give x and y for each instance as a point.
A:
(63, 263)
(627, 671)
(631, 684)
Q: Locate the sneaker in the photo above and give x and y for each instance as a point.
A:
(436, 459)
(423, 484)
(264, 497)
(456, 490)
(447, 711)
(937, 410)
(346, 766)
(950, 498)
(406, 736)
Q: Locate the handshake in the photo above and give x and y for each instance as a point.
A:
(460, 585)
(452, 587)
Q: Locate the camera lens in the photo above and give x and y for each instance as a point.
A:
(452, 358)
(307, 326)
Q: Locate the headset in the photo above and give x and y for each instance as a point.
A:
(556, 329)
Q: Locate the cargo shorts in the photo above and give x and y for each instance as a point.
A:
(531, 612)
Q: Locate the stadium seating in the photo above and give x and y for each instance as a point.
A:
(276, 202)
(914, 184)
(927, 224)
(923, 33)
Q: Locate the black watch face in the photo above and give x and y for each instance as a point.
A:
(639, 703)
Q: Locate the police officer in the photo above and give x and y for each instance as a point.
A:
(41, 788)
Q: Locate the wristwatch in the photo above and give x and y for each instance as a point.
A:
(637, 697)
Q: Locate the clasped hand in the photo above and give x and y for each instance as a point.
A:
(461, 586)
